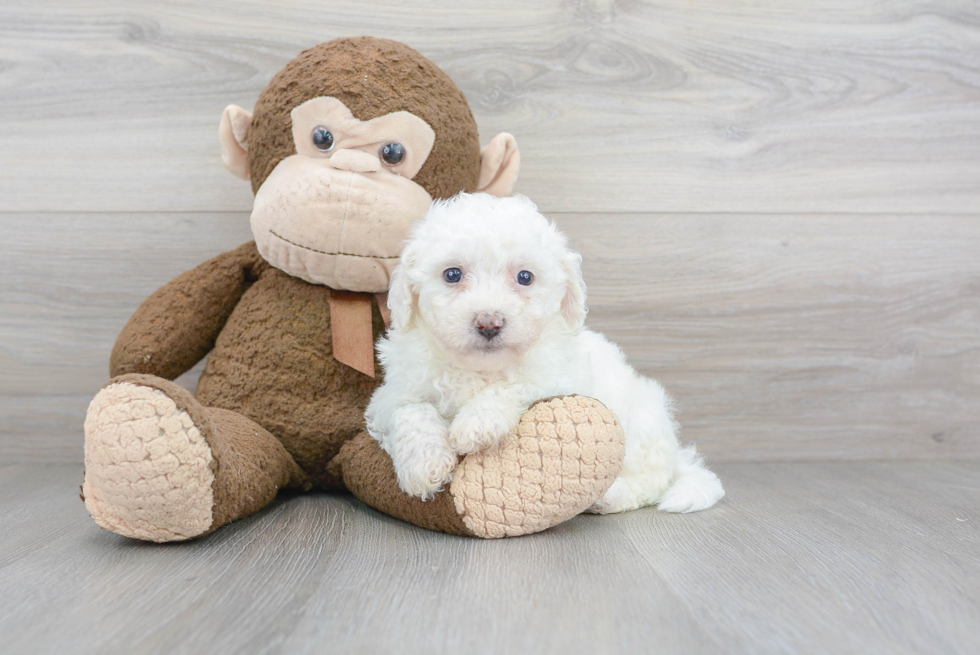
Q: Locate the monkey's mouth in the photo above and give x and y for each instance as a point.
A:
(324, 252)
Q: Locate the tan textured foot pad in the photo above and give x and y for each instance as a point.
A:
(565, 454)
(148, 469)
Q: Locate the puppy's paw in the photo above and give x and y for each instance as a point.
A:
(478, 428)
(616, 499)
(695, 489)
(424, 470)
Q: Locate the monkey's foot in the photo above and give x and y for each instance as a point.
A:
(564, 455)
(149, 471)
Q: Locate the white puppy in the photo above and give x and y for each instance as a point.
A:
(487, 309)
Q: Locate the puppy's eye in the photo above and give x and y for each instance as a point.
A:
(323, 139)
(524, 278)
(392, 153)
(452, 275)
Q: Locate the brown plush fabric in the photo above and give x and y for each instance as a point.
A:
(276, 409)
(249, 464)
(252, 466)
(178, 324)
(373, 77)
(272, 359)
(274, 406)
(563, 456)
(370, 475)
(273, 363)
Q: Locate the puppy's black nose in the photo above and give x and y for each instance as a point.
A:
(489, 325)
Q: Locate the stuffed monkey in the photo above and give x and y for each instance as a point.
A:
(346, 148)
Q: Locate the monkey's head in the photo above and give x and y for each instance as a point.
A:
(347, 147)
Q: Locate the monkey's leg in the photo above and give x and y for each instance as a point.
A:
(563, 456)
(159, 466)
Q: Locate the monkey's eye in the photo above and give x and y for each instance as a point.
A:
(323, 139)
(524, 278)
(452, 275)
(392, 153)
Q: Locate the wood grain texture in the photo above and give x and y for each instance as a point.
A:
(713, 106)
(799, 558)
(797, 337)
(64, 297)
(778, 210)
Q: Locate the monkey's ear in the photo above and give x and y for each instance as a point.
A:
(233, 135)
(500, 162)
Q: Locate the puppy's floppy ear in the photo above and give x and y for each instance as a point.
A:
(401, 292)
(573, 308)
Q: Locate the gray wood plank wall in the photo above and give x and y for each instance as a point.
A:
(778, 205)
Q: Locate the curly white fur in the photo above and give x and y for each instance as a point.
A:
(449, 390)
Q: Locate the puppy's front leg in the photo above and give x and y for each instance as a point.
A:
(489, 417)
(423, 460)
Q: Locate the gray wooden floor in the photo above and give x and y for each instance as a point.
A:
(799, 558)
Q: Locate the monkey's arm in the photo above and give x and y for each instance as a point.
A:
(177, 326)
